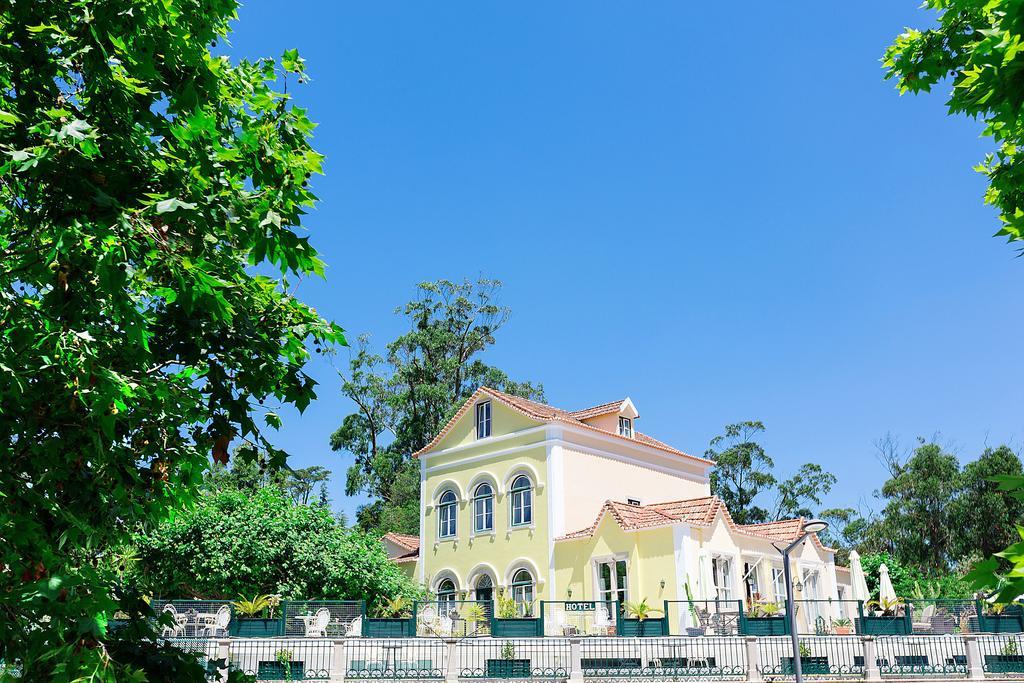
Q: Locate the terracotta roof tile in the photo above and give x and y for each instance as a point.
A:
(403, 540)
(602, 409)
(696, 512)
(546, 413)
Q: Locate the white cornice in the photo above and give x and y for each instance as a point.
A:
(484, 442)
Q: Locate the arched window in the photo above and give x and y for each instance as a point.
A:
(484, 590)
(447, 506)
(522, 591)
(522, 501)
(483, 508)
(445, 596)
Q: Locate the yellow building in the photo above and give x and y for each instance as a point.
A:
(552, 504)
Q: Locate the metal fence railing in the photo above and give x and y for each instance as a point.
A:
(1002, 654)
(703, 617)
(621, 658)
(321, 618)
(205, 650)
(281, 659)
(941, 616)
(819, 656)
(921, 655)
(514, 658)
(566, 618)
(453, 618)
(396, 658)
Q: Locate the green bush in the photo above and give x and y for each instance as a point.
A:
(247, 542)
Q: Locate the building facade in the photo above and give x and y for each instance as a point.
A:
(551, 504)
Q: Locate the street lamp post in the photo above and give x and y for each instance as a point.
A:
(812, 526)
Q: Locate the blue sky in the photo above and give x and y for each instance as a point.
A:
(721, 211)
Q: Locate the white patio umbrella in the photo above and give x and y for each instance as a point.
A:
(886, 593)
(859, 589)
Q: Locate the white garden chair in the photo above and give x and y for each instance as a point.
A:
(177, 629)
(317, 626)
(925, 623)
(355, 628)
(219, 625)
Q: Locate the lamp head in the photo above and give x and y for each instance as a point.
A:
(814, 526)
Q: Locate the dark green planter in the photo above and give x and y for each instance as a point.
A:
(279, 671)
(248, 627)
(508, 668)
(808, 665)
(630, 627)
(1004, 664)
(885, 626)
(393, 627)
(764, 626)
(1001, 623)
(516, 628)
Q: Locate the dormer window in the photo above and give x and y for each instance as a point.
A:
(483, 420)
(625, 427)
(633, 501)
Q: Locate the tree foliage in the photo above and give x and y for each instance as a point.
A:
(744, 474)
(405, 397)
(143, 180)
(977, 47)
(241, 542)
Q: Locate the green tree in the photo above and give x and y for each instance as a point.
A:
(985, 517)
(242, 543)
(404, 399)
(145, 182)
(976, 46)
(743, 474)
(917, 517)
(301, 482)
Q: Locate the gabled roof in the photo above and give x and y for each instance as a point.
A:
(410, 543)
(546, 413)
(700, 512)
(602, 409)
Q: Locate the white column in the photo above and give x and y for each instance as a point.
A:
(451, 672)
(975, 665)
(224, 653)
(871, 671)
(338, 665)
(575, 660)
(753, 659)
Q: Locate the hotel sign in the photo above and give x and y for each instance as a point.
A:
(581, 606)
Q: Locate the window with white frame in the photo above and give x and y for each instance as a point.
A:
(445, 596)
(779, 583)
(522, 591)
(721, 573)
(626, 427)
(447, 509)
(612, 581)
(750, 582)
(483, 508)
(522, 501)
(483, 419)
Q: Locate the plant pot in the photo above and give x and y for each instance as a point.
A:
(281, 671)
(695, 631)
(808, 665)
(389, 627)
(508, 668)
(1001, 623)
(764, 626)
(1004, 664)
(516, 628)
(254, 627)
(886, 626)
(630, 627)
(842, 630)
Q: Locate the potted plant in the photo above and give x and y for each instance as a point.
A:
(394, 618)
(515, 620)
(888, 618)
(1009, 659)
(282, 668)
(1001, 617)
(254, 618)
(808, 664)
(697, 628)
(842, 626)
(639, 620)
(508, 666)
(473, 614)
(763, 619)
